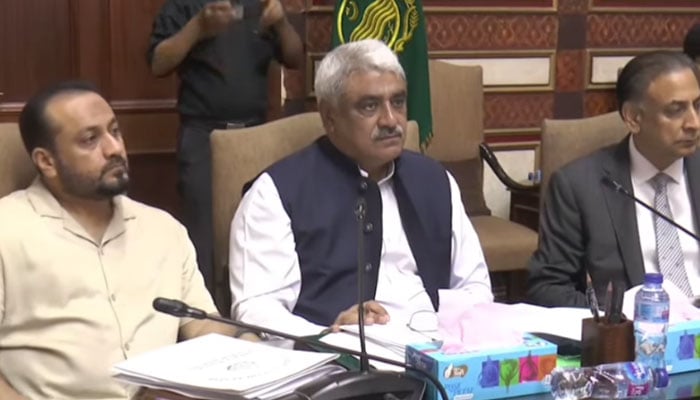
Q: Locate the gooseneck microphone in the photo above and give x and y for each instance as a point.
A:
(178, 308)
(345, 385)
(607, 179)
(360, 213)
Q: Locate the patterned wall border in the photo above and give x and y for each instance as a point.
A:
(458, 6)
(312, 58)
(497, 54)
(591, 54)
(645, 6)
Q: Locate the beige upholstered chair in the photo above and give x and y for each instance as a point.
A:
(568, 139)
(238, 156)
(458, 131)
(16, 168)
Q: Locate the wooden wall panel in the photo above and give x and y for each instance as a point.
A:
(153, 180)
(89, 31)
(145, 105)
(148, 131)
(35, 46)
(130, 25)
(43, 42)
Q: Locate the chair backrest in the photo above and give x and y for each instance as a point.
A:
(16, 168)
(568, 139)
(457, 101)
(239, 155)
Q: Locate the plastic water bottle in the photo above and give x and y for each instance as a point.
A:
(651, 311)
(606, 381)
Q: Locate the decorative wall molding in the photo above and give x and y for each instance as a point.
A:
(508, 71)
(144, 105)
(515, 146)
(11, 109)
(459, 6)
(312, 61)
(504, 136)
(604, 65)
(605, 69)
(644, 6)
(512, 71)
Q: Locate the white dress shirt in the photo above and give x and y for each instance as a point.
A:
(266, 279)
(642, 171)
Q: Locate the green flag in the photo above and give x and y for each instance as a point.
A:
(401, 25)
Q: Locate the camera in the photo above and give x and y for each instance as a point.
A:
(248, 11)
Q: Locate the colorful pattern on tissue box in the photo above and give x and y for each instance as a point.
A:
(490, 374)
(683, 347)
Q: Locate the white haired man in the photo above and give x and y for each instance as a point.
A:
(294, 238)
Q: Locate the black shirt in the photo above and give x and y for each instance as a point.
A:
(225, 77)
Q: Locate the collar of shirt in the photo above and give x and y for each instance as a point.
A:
(389, 174)
(46, 205)
(642, 170)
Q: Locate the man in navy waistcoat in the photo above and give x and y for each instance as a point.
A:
(295, 238)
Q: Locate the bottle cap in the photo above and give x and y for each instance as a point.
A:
(661, 377)
(654, 278)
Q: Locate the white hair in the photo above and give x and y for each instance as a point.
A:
(360, 56)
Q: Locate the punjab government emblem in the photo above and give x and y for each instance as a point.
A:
(391, 21)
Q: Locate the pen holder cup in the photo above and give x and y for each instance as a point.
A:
(603, 343)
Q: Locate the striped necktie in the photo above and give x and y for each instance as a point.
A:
(668, 246)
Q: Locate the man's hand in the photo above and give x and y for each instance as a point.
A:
(215, 17)
(272, 14)
(374, 314)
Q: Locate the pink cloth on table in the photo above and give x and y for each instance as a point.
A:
(474, 327)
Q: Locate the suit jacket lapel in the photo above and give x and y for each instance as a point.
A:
(622, 211)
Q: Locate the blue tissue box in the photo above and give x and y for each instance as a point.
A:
(683, 347)
(491, 374)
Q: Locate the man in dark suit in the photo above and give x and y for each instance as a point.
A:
(588, 228)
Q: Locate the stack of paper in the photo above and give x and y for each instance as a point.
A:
(220, 367)
(560, 321)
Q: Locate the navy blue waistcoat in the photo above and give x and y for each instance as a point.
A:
(320, 187)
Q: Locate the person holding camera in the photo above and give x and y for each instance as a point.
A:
(221, 50)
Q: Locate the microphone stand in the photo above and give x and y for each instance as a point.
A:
(364, 385)
(360, 212)
(621, 189)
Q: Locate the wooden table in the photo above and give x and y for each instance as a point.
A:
(682, 386)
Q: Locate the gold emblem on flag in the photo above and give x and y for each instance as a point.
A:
(391, 21)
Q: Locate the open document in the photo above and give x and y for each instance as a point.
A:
(219, 367)
(387, 341)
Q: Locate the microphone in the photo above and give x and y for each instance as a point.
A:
(177, 308)
(621, 189)
(344, 385)
(360, 213)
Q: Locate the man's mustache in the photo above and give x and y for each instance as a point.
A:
(383, 133)
(115, 162)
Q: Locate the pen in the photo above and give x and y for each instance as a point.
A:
(608, 301)
(592, 299)
(617, 300)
